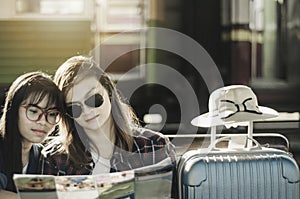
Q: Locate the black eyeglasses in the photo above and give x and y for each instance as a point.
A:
(34, 113)
(74, 109)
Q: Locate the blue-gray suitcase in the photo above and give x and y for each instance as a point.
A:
(244, 173)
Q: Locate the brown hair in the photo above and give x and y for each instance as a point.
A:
(75, 69)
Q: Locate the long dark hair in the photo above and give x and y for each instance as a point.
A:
(33, 87)
(75, 69)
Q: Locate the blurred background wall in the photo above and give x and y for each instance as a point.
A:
(252, 42)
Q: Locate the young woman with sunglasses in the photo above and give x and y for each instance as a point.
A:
(104, 135)
(32, 110)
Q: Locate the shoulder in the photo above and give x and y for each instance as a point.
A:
(146, 139)
(147, 135)
(153, 145)
(53, 158)
(58, 163)
(52, 154)
(54, 146)
(54, 164)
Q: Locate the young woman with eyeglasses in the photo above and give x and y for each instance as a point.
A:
(103, 131)
(32, 109)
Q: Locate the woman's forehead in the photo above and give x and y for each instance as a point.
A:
(84, 88)
(41, 99)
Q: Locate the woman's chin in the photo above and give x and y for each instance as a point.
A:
(92, 125)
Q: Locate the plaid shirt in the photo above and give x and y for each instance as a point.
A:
(149, 148)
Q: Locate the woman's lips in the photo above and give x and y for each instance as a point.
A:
(88, 120)
(39, 132)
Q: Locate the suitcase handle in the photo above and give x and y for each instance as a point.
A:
(257, 146)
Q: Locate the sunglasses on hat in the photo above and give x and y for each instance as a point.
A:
(74, 109)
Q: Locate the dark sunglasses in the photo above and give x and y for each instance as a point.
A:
(74, 109)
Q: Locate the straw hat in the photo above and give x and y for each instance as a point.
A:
(233, 104)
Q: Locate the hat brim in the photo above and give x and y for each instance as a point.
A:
(206, 120)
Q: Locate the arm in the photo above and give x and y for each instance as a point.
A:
(159, 148)
(8, 195)
(3, 193)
